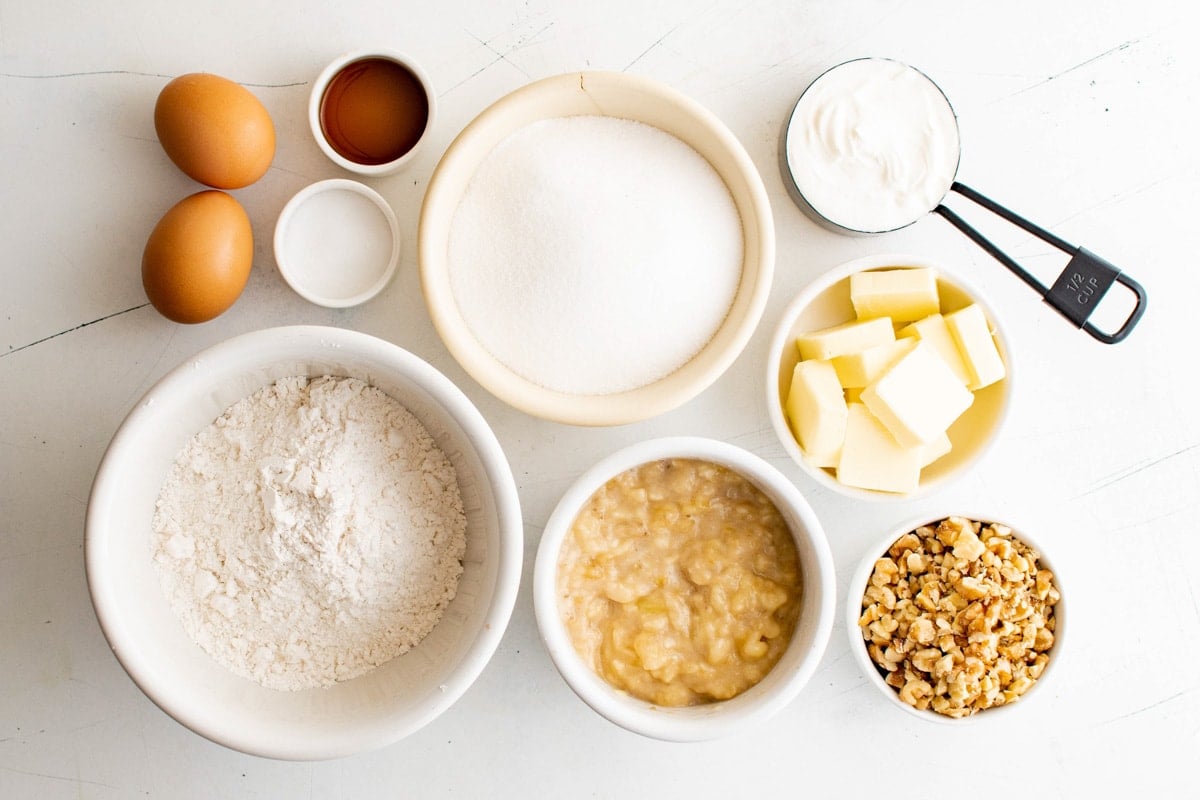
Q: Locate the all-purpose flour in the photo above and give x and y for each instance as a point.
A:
(311, 533)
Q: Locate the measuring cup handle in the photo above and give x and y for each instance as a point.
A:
(1078, 289)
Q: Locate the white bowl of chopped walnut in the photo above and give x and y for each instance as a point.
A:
(953, 616)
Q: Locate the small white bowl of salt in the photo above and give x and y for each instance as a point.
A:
(596, 248)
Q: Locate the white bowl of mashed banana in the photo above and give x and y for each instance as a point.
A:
(684, 589)
(304, 542)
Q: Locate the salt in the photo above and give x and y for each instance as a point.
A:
(594, 255)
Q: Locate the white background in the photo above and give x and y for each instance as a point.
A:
(1080, 114)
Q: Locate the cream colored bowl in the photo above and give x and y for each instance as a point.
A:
(713, 720)
(826, 302)
(369, 711)
(614, 95)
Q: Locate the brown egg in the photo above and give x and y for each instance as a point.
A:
(198, 257)
(214, 130)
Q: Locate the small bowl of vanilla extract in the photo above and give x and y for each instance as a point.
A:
(370, 111)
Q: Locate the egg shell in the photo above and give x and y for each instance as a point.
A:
(214, 130)
(198, 257)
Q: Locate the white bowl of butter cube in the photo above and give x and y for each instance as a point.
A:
(888, 377)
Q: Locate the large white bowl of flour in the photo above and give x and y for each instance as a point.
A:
(596, 248)
(266, 714)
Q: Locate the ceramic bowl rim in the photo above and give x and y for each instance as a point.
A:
(857, 585)
(282, 230)
(695, 723)
(781, 338)
(321, 83)
(174, 697)
(589, 410)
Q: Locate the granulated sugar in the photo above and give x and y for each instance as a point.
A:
(311, 533)
(593, 255)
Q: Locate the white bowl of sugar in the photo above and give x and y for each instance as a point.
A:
(296, 632)
(596, 248)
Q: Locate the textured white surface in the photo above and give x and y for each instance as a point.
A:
(1081, 115)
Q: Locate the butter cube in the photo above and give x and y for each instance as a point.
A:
(817, 411)
(918, 398)
(849, 337)
(856, 370)
(934, 449)
(973, 336)
(871, 458)
(933, 329)
(902, 294)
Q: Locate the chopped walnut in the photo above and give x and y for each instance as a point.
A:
(959, 616)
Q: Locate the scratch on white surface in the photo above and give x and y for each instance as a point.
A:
(469, 77)
(1111, 51)
(864, 32)
(1117, 198)
(85, 74)
(91, 686)
(852, 688)
(1130, 471)
(285, 170)
(48, 776)
(287, 85)
(87, 725)
(1195, 604)
(767, 70)
(100, 72)
(526, 41)
(1145, 522)
(763, 432)
(827, 667)
(657, 42)
(1144, 709)
(500, 56)
(521, 42)
(148, 759)
(151, 369)
(72, 329)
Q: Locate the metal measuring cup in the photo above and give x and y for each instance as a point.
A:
(1077, 291)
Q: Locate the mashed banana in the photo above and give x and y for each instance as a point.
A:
(679, 583)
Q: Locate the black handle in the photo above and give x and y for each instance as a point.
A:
(1078, 290)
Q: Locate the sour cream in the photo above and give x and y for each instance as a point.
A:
(872, 145)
